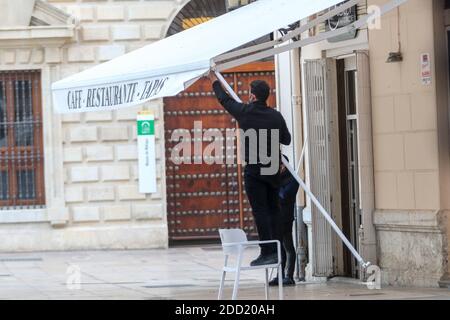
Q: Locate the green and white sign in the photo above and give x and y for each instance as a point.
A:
(146, 152)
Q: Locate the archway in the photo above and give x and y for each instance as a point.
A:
(203, 198)
(196, 12)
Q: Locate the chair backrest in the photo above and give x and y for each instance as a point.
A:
(232, 236)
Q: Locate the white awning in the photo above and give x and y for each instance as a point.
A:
(163, 68)
(168, 66)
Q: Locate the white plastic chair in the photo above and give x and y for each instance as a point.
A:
(234, 242)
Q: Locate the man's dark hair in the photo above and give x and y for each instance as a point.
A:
(260, 89)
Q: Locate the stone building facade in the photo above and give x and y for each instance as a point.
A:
(411, 144)
(402, 117)
(91, 187)
(90, 160)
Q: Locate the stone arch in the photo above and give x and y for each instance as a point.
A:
(200, 9)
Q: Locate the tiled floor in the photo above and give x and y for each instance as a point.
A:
(177, 273)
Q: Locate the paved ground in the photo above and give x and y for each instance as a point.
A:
(178, 273)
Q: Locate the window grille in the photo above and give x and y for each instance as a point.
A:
(21, 145)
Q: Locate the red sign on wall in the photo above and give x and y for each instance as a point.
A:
(425, 68)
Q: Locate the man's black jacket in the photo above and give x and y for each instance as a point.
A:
(256, 115)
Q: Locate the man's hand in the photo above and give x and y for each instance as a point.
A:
(212, 76)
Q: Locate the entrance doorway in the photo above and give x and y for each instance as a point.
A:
(337, 96)
(203, 198)
(348, 159)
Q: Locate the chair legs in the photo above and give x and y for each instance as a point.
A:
(238, 274)
(236, 285)
(237, 278)
(280, 283)
(222, 282)
(266, 284)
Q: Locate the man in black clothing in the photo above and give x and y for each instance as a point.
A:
(262, 181)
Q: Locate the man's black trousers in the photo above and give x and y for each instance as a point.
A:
(287, 247)
(262, 193)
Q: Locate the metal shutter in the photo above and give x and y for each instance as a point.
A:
(317, 105)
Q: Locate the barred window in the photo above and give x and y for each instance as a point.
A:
(21, 145)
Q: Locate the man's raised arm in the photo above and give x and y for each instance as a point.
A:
(232, 106)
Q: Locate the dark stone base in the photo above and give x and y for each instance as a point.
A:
(445, 281)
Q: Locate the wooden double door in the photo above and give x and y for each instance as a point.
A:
(202, 198)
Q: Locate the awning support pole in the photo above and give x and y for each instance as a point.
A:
(305, 187)
(320, 207)
(326, 215)
(302, 155)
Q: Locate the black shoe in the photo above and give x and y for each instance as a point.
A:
(273, 282)
(287, 282)
(265, 259)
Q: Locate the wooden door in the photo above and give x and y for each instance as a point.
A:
(202, 198)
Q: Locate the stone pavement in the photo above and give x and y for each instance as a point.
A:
(190, 273)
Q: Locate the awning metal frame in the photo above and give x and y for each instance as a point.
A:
(303, 185)
(289, 36)
(261, 51)
(254, 56)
